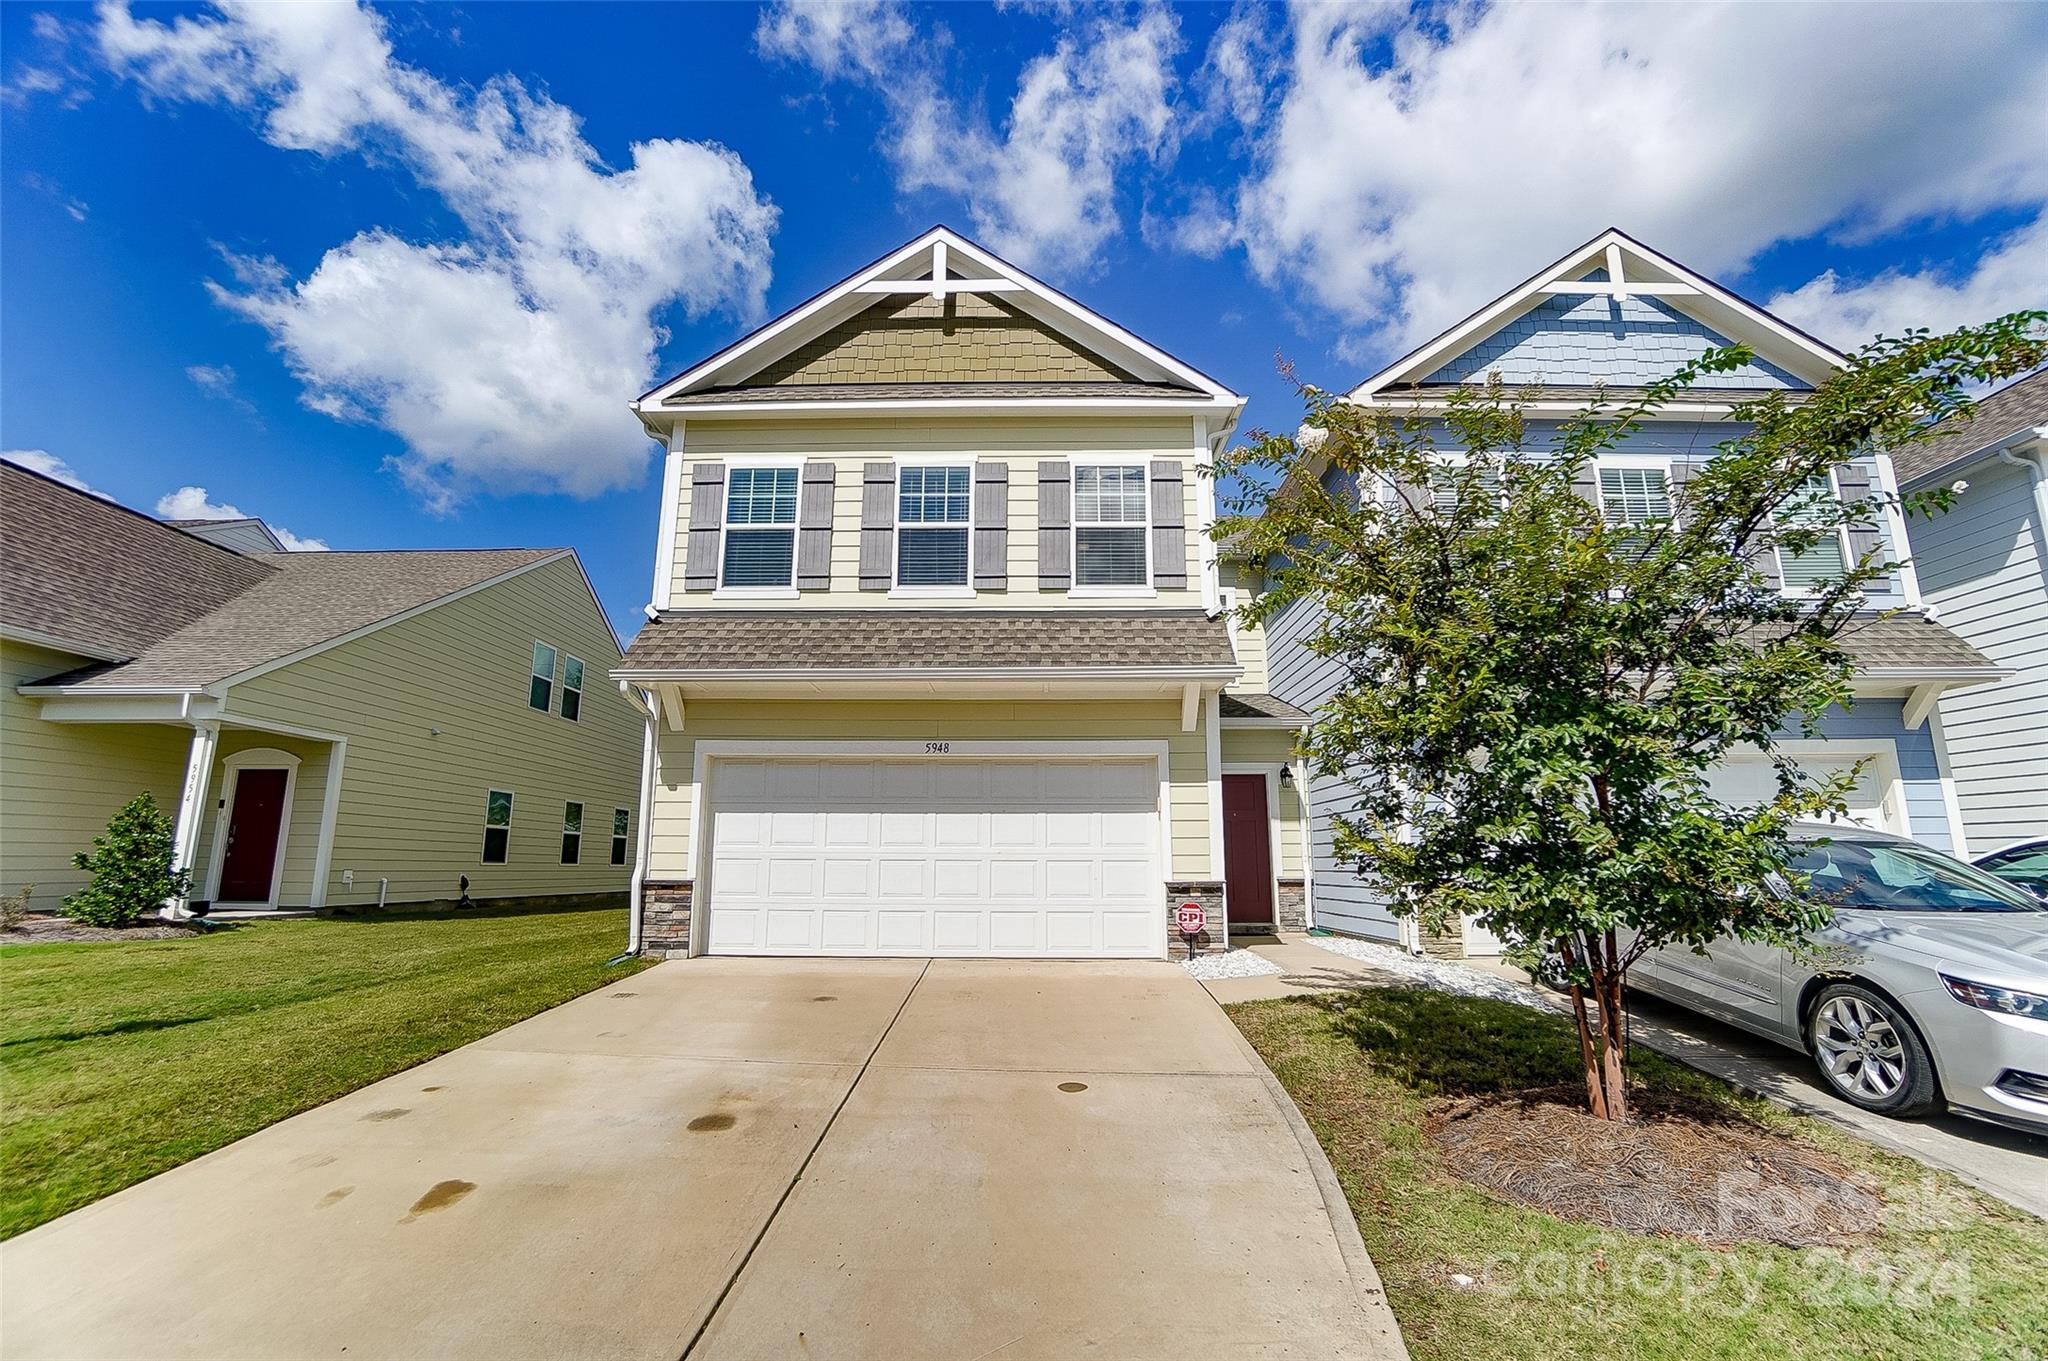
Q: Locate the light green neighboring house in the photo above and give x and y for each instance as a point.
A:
(938, 653)
(331, 730)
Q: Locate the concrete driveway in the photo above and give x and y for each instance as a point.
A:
(753, 1158)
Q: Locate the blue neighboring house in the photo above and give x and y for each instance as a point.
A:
(1983, 569)
(1611, 317)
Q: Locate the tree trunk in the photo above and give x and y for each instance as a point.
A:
(1596, 1089)
(1613, 1070)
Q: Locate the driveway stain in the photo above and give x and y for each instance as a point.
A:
(439, 1196)
(394, 1113)
(430, 1089)
(309, 1161)
(1073, 1086)
(705, 1123)
(623, 994)
(827, 997)
(335, 1197)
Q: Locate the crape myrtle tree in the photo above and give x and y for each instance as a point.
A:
(1535, 691)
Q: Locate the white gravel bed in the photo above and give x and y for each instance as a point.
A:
(1231, 964)
(1443, 974)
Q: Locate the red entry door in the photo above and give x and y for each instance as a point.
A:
(1247, 851)
(253, 825)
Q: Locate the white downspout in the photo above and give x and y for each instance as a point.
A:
(644, 702)
(2037, 473)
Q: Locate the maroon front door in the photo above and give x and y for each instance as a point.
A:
(1247, 851)
(253, 825)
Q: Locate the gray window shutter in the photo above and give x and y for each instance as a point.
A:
(1681, 473)
(1055, 521)
(1586, 482)
(991, 526)
(1415, 496)
(878, 527)
(1169, 526)
(707, 520)
(814, 528)
(1864, 538)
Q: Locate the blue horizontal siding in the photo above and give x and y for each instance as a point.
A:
(1578, 340)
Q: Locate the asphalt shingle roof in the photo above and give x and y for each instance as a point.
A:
(1911, 640)
(81, 568)
(2013, 408)
(891, 639)
(183, 612)
(1237, 704)
(310, 598)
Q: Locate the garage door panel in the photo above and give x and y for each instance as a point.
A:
(950, 857)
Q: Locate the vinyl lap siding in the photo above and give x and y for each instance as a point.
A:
(1018, 442)
(1982, 564)
(60, 782)
(1343, 900)
(785, 720)
(435, 713)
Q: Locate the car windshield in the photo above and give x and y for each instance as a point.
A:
(2029, 862)
(1893, 876)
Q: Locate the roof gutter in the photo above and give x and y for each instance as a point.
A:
(2035, 461)
(684, 676)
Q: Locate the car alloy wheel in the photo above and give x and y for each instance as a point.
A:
(1870, 1053)
(1859, 1048)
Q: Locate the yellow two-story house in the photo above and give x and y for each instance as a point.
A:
(938, 660)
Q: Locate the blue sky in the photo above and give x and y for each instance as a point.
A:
(387, 276)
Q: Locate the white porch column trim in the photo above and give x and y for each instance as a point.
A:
(192, 806)
(330, 812)
(1959, 834)
(643, 841)
(1213, 742)
(1308, 842)
(1205, 522)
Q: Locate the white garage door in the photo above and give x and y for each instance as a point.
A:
(948, 857)
(1752, 780)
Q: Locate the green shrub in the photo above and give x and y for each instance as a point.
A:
(131, 868)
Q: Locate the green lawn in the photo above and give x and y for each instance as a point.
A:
(119, 1060)
(1948, 1274)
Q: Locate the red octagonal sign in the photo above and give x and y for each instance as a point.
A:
(1190, 918)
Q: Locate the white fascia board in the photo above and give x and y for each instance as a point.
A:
(2013, 442)
(843, 406)
(1554, 406)
(1285, 724)
(808, 319)
(1784, 344)
(922, 675)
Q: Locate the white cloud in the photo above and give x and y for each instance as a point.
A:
(193, 503)
(1417, 166)
(502, 360)
(49, 465)
(2011, 275)
(1041, 187)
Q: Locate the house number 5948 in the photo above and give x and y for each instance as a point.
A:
(937, 748)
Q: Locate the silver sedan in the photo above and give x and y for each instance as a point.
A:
(1928, 988)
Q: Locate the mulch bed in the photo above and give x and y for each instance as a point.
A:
(1679, 1167)
(42, 930)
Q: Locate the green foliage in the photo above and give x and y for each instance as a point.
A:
(1536, 695)
(14, 907)
(131, 867)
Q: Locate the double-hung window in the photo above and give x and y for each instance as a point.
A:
(572, 833)
(572, 688)
(760, 528)
(1110, 524)
(622, 826)
(932, 525)
(540, 692)
(1633, 495)
(497, 826)
(1806, 571)
(1443, 487)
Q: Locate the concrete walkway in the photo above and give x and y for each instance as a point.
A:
(753, 1158)
(2000, 1162)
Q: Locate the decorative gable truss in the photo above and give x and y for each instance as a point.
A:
(939, 322)
(1612, 313)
